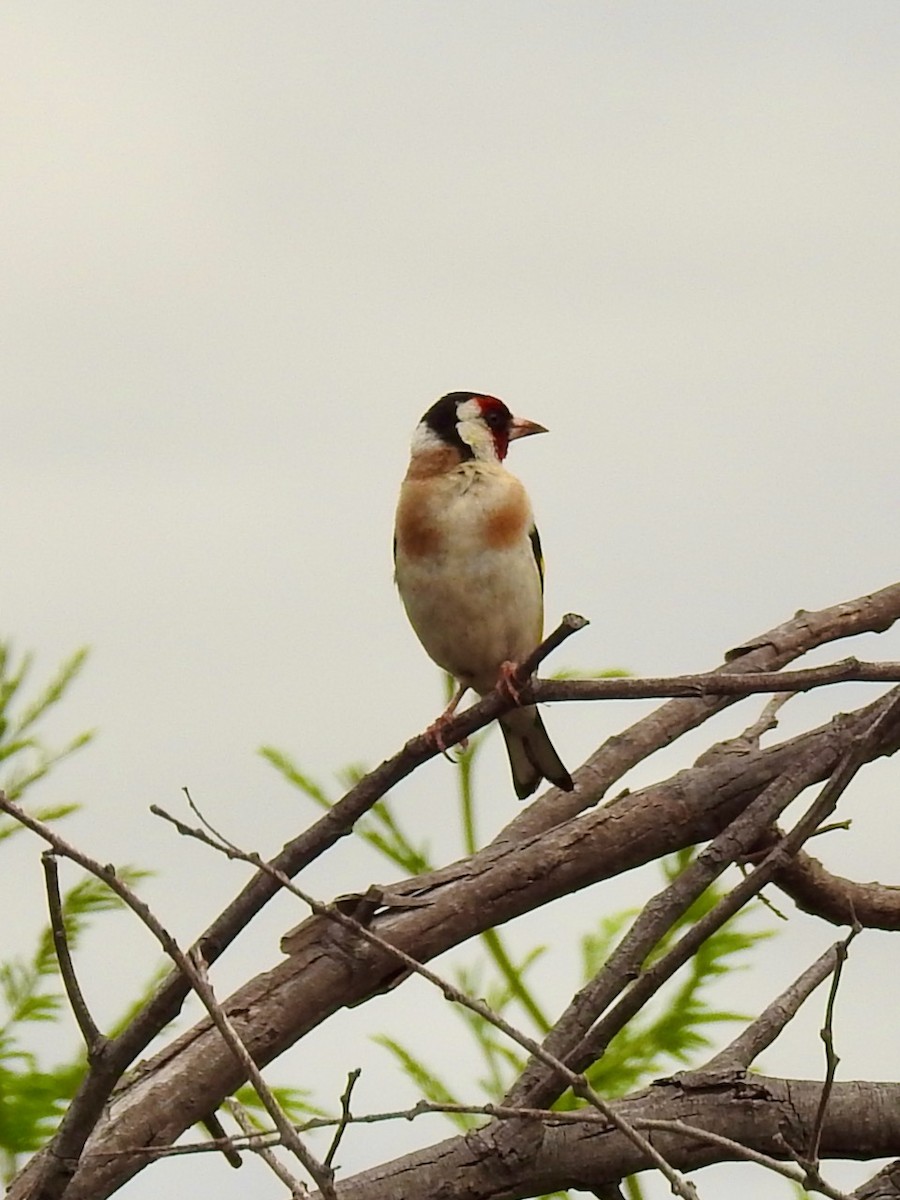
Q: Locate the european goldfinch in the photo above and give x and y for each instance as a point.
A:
(469, 568)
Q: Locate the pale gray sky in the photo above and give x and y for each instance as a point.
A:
(245, 246)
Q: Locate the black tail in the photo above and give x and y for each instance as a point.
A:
(531, 753)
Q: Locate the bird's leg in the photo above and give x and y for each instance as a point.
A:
(435, 731)
(506, 682)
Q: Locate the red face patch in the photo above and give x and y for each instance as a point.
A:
(498, 419)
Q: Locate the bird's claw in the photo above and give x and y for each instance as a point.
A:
(435, 734)
(507, 683)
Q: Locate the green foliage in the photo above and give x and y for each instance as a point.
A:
(667, 1035)
(33, 1097)
(675, 1027)
(379, 828)
(24, 756)
(294, 1101)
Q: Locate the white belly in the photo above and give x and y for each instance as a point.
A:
(472, 608)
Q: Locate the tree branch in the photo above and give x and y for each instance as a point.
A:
(743, 1051)
(519, 872)
(430, 914)
(48, 1183)
(623, 967)
(770, 651)
(297, 1189)
(95, 1043)
(826, 1033)
(818, 891)
(753, 1111)
(715, 683)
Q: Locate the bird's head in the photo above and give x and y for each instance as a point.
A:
(474, 425)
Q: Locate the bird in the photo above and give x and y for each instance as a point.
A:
(469, 568)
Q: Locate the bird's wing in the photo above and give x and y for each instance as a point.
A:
(535, 539)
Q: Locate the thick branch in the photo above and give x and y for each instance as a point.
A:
(883, 1186)
(769, 651)
(473, 883)
(816, 890)
(536, 1086)
(863, 1121)
(427, 916)
(47, 1174)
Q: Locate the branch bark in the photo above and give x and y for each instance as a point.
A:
(765, 1114)
(327, 969)
(557, 846)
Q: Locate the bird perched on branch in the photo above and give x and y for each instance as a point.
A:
(469, 566)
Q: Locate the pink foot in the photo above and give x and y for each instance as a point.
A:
(506, 681)
(435, 734)
(435, 731)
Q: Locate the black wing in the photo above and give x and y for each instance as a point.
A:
(535, 539)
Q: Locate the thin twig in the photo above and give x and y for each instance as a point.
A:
(345, 1117)
(577, 1082)
(762, 1032)
(257, 1139)
(831, 1058)
(320, 1172)
(716, 683)
(95, 1042)
(749, 738)
(737, 1150)
(193, 967)
(216, 1131)
(239, 1113)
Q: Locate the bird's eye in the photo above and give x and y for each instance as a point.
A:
(494, 419)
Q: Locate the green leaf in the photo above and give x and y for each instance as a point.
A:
(294, 1102)
(380, 827)
(427, 1080)
(53, 692)
(294, 776)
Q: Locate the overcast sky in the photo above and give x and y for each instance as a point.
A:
(244, 246)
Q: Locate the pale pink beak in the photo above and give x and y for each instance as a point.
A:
(520, 427)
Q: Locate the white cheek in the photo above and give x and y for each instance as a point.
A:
(477, 435)
(470, 410)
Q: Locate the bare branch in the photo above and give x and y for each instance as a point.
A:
(831, 1059)
(885, 722)
(320, 1172)
(736, 1150)
(536, 1086)
(769, 651)
(885, 1185)
(579, 1085)
(435, 911)
(297, 1189)
(194, 969)
(95, 1042)
(716, 683)
(762, 1032)
(623, 967)
(749, 1110)
(346, 1116)
(816, 890)
(429, 914)
(46, 1175)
